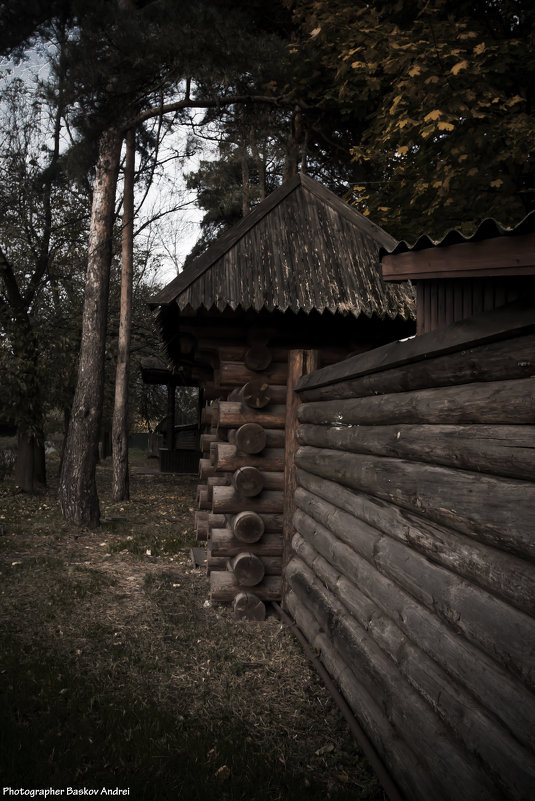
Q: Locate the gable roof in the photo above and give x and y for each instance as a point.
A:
(301, 249)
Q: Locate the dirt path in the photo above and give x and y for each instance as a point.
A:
(118, 672)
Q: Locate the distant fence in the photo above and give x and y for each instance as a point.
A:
(411, 569)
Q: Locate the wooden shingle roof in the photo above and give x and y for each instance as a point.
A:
(301, 249)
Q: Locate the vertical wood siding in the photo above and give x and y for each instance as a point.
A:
(413, 566)
(441, 302)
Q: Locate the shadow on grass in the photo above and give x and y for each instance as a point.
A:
(62, 728)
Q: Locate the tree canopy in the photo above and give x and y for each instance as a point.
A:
(445, 94)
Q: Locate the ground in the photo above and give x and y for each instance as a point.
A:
(117, 671)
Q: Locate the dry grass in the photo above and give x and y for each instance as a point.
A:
(117, 671)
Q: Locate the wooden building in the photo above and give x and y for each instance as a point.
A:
(301, 271)
(412, 566)
(176, 446)
(459, 277)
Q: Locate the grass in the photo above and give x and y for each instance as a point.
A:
(117, 671)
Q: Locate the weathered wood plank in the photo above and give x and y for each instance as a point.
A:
(481, 617)
(203, 498)
(300, 362)
(227, 501)
(508, 577)
(490, 403)
(229, 458)
(405, 708)
(493, 256)
(224, 587)
(500, 450)
(472, 724)
(233, 415)
(509, 359)
(496, 688)
(413, 776)
(237, 374)
(206, 468)
(223, 543)
(516, 319)
(205, 442)
(499, 511)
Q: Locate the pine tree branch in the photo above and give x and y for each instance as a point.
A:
(187, 102)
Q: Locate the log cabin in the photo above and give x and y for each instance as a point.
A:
(295, 285)
(411, 569)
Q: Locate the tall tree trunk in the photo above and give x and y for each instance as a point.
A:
(244, 181)
(30, 471)
(77, 488)
(120, 484)
(260, 163)
(292, 147)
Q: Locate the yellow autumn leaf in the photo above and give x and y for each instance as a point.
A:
(445, 126)
(403, 150)
(358, 65)
(315, 32)
(497, 183)
(480, 48)
(461, 65)
(383, 208)
(403, 123)
(433, 115)
(395, 103)
(516, 99)
(416, 70)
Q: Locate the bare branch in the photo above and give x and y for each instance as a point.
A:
(187, 102)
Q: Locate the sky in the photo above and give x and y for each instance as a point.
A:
(175, 233)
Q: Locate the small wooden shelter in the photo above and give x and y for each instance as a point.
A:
(176, 446)
(300, 272)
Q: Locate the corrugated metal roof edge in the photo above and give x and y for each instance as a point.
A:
(487, 229)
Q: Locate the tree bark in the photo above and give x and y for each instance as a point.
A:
(77, 488)
(119, 433)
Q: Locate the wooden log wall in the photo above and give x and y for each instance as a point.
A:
(412, 569)
(242, 469)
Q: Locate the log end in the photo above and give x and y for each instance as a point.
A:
(248, 606)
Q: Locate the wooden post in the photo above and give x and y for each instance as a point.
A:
(170, 417)
(300, 362)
